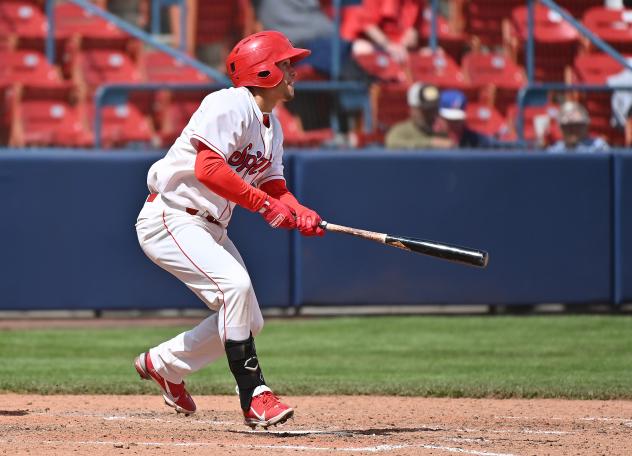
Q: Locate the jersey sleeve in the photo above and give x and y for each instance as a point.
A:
(221, 122)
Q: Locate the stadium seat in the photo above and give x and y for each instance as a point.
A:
(486, 120)
(48, 119)
(578, 7)
(28, 67)
(25, 20)
(555, 41)
(496, 71)
(161, 67)
(483, 19)
(173, 112)
(124, 124)
(595, 68)
(293, 132)
(389, 105)
(72, 20)
(5, 112)
(382, 66)
(530, 115)
(613, 26)
(96, 67)
(439, 69)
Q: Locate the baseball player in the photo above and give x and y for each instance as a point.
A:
(230, 153)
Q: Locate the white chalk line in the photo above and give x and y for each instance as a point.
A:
(584, 418)
(107, 417)
(370, 449)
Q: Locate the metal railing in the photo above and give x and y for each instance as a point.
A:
(133, 31)
(534, 86)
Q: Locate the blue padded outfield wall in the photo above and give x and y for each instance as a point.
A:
(623, 224)
(544, 219)
(70, 243)
(558, 229)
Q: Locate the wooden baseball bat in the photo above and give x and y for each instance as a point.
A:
(448, 252)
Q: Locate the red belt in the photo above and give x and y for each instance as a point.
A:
(189, 210)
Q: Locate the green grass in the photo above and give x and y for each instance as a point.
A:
(557, 356)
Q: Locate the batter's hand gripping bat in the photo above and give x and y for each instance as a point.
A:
(448, 252)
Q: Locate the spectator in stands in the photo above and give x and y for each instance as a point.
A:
(574, 121)
(417, 132)
(307, 26)
(452, 116)
(387, 25)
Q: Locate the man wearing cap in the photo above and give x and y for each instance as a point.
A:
(417, 132)
(574, 120)
(452, 114)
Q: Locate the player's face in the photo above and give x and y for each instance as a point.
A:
(286, 87)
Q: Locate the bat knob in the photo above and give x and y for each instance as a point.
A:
(323, 224)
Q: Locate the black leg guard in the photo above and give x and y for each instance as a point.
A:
(243, 363)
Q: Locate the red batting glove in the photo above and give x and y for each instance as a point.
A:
(307, 221)
(278, 214)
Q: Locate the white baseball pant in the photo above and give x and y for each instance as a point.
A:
(201, 255)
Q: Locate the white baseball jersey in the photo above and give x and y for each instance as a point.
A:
(230, 123)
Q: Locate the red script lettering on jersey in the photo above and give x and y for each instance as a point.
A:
(253, 163)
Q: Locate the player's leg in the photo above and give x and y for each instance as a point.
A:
(187, 247)
(259, 405)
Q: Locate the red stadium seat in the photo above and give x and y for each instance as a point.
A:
(72, 20)
(390, 105)
(439, 69)
(106, 66)
(173, 112)
(530, 114)
(28, 67)
(555, 41)
(578, 7)
(308, 73)
(483, 18)
(613, 26)
(498, 71)
(382, 66)
(124, 124)
(161, 67)
(293, 132)
(486, 120)
(48, 122)
(5, 112)
(595, 69)
(24, 19)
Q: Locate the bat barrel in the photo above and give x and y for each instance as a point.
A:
(449, 252)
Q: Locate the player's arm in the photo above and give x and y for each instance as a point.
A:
(307, 219)
(215, 174)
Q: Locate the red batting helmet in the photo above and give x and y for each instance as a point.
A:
(252, 62)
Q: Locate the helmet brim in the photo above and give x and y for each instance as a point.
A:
(295, 55)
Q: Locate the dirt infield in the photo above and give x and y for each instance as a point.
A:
(127, 425)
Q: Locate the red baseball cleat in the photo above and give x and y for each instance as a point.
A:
(175, 396)
(266, 410)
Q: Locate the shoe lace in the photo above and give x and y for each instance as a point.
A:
(269, 398)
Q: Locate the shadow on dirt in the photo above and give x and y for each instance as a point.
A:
(340, 432)
(13, 412)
